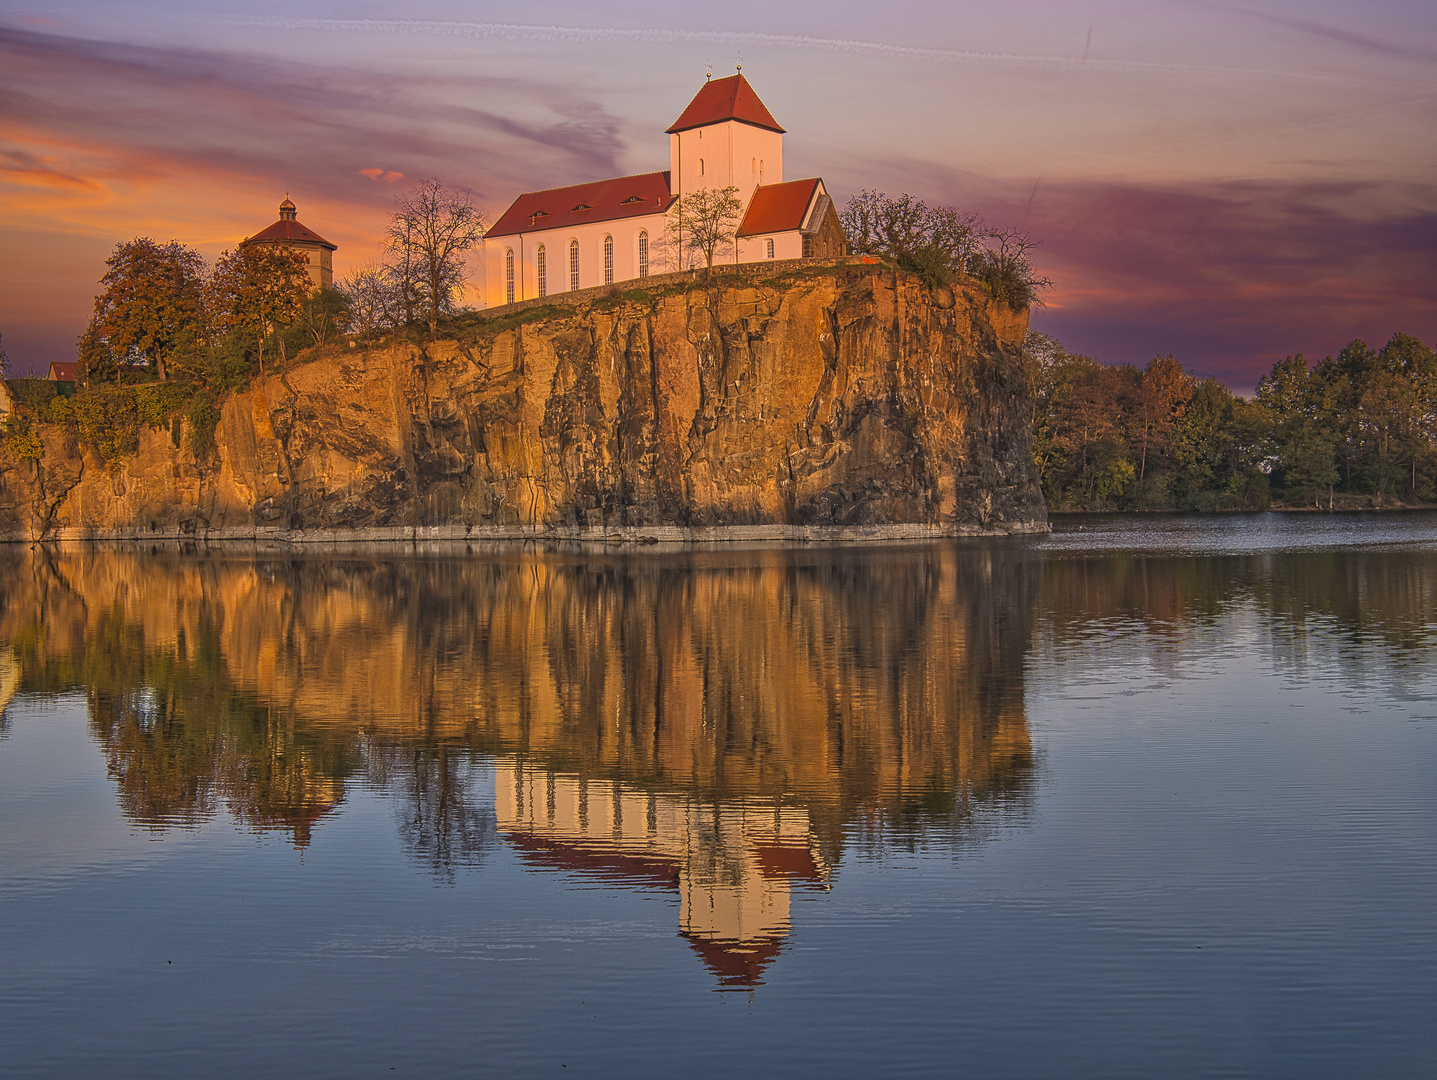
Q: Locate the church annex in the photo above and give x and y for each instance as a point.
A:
(584, 235)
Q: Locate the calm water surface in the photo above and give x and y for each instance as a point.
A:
(1147, 797)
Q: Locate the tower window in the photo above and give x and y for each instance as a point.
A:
(643, 253)
(508, 275)
(768, 248)
(573, 265)
(539, 268)
(701, 166)
(608, 260)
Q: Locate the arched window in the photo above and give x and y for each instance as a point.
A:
(768, 248)
(643, 253)
(608, 260)
(539, 269)
(701, 166)
(753, 166)
(508, 275)
(573, 265)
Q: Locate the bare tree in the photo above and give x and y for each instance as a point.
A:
(702, 220)
(429, 232)
(375, 299)
(1005, 267)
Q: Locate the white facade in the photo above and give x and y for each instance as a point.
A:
(626, 236)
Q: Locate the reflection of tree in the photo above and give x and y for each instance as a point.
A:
(1360, 600)
(440, 822)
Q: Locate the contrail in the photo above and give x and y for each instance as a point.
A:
(663, 35)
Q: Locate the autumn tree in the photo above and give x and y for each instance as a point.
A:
(258, 290)
(1161, 395)
(703, 220)
(150, 308)
(430, 232)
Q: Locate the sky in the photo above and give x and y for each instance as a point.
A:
(1226, 182)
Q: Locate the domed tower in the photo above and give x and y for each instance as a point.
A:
(288, 231)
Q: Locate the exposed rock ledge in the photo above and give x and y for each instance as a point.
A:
(834, 401)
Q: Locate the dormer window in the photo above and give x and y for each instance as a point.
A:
(581, 206)
(535, 216)
(631, 200)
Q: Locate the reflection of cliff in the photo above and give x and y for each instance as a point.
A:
(717, 722)
(869, 683)
(733, 864)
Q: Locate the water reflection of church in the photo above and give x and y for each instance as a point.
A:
(734, 865)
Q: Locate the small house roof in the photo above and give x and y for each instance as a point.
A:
(584, 204)
(288, 230)
(779, 207)
(725, 99)
(63, 370)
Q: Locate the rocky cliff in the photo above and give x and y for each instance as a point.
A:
(823, 400)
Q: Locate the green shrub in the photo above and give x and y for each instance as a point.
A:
(157, 402)
(107, 419)
(22, 440)
(204, 418)
(59, 411)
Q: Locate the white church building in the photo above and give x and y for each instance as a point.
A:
(577, 237)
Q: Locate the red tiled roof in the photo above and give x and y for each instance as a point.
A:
(725, 99)
(583, 204)
(778, 207)
(737, 963)
(63, 370)
(542, 852)
(779, 861)
(282, 230)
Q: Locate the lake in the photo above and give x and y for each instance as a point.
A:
(1149, 796)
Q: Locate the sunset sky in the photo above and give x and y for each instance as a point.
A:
(1226, 182)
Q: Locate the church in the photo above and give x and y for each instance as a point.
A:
(586, 235)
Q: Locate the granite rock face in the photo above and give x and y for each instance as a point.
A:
(842, 398)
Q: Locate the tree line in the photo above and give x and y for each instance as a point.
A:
(1355, 429)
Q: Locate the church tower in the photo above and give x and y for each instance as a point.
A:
(726, 137)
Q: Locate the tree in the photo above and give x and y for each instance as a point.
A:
(939, 242)
(934, 242)
(151, 308)
(375, 301)
(429, 232)
(257, 290)
(4, 359)
(1006, 269)
(702, 220)
(1162, 393)
(324, 313)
